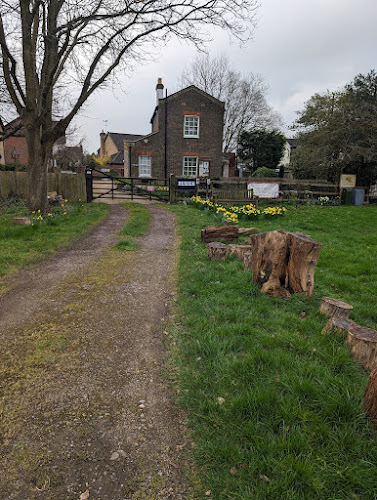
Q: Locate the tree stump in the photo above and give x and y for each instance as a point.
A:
(337, 326)
(370, 397)
(282, 262)
(333, 307)
(216, 251)
(363, 344)
(303, 258)
(222, 233)
(238, 250)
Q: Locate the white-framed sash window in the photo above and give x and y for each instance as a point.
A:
(191, 126)
(190, 166)
(145, 166)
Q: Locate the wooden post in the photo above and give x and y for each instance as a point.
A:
(370, 397)
(172, 187)
(333, 307)
(89, 185)
(216, 251)
(363, 344)
(132, 188)
(337, 326)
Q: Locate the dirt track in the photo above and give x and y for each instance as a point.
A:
(82, 397)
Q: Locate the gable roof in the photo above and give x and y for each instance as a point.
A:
(119, 138)
(196, 89)
(117, 158)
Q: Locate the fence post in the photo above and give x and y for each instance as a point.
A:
(89, 185)
(172, 194)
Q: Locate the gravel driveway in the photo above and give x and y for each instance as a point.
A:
(84, 409)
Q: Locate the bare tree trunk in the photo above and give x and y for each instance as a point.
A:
(39, 155)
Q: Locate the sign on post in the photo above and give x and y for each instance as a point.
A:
(186, 184)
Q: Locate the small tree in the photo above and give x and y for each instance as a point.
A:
(260, 148)
(57, 53)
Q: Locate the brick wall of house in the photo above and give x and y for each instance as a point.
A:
(16, 143)
(208, 147)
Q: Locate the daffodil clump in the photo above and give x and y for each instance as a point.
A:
(234, 213)
(62, 209)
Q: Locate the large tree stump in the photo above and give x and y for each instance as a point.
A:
(370, 397)
(303, 258)
(363, 344)
(216, 251)
(337, 326)
(283, 261)
(222, 233)
(333, 307)
(238, 250)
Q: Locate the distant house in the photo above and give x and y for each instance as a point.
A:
(185, 138)
(112, 144)
(13, 147)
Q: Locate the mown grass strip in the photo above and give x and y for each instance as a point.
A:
(274, 406)
(23, 245)
(136, 226)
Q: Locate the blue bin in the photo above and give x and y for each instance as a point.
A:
(358, 196)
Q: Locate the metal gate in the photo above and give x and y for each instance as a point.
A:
(103, 185)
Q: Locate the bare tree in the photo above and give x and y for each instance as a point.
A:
(61, 51)
(246, 107)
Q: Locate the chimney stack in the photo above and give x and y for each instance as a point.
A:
(159, 90)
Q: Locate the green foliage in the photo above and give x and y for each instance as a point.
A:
(264, 172)
(260, 148)
(337, 133)
(290, 407)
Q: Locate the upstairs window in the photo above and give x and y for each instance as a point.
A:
(191, 126)
(190, 166)
(145, 166)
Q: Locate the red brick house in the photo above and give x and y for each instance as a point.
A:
(13, 148)
(186, 137)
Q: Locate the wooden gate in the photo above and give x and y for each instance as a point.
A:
(103, 185)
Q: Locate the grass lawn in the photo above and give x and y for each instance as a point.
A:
(23, 245)
(136, 225)
(275, 407)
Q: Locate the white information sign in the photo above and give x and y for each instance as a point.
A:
(347, 181)
(264, 189)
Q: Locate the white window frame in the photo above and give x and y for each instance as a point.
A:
(145, 166)
(190, 128)
(190, 166)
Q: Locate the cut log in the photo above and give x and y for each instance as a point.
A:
(370, 397)
(333, 307)
(303, 258)
(247, 230)
(337, 326)
(222, 233)
(363, 344)
(22, 221)
(238, 250)
(248, 261)
(216, 251)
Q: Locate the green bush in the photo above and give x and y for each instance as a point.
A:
(264, 172)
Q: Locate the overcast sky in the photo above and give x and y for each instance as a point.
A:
(299, 47)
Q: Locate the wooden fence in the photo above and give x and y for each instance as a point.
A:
(70, 186)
